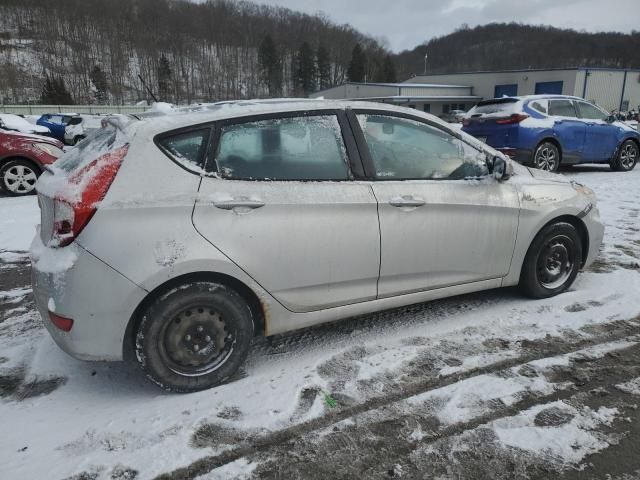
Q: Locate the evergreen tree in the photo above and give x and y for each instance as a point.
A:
(387, 71)
(270, 66)
(305, 70)
(54, 92)
(99, 80)
(164, 79)
(323, 62)
(356, 71)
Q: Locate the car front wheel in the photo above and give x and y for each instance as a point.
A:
(19, 177)
(546, 157)
(626, 158)
(194, 337)
(552, 262)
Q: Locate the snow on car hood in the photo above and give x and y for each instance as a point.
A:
(547, 176)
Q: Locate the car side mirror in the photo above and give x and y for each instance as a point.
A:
(500, 168)
(610, 119)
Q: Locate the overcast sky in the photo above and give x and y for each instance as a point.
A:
(407, 23)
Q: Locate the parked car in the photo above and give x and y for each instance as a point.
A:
(15, 123)
(454, 116)
(57, 123)
(79, 127)
(207, 226)
(546, 131)
(23, 158)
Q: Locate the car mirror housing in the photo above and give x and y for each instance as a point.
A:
(501, 169)
(610, 119)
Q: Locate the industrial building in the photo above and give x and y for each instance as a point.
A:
(431, 98)
(612, 89)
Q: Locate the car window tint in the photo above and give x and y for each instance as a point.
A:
(540, 106)
(590, 112)
(187, 148)
(296, 148)
(561, 108)
(408, 149)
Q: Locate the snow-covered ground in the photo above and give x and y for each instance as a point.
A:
(489, 385)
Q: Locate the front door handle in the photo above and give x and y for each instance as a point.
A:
(239, 203)
(406, 201)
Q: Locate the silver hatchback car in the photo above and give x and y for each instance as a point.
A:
(174, 238)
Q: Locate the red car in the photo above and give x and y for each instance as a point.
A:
(22, 159)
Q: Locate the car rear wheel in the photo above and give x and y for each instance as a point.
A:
(19, 177)
(547, 157)
(194, 337)
(626, 158)
(552, 262)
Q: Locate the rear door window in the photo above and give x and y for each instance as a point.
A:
(562, 108)
(290, 148)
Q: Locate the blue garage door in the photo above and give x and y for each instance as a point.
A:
(551, 88)
(506, 90)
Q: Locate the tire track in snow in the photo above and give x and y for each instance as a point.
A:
(617, 330)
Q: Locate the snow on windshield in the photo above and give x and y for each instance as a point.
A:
(76, 168)
(15, 122)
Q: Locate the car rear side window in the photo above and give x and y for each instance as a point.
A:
(562, 108)
(187, 148)
(289, 148)
(540, 106)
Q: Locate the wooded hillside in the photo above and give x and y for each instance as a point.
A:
(184, 51)
(513, 46)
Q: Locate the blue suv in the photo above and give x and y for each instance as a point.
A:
(545, 131)
(56, 122)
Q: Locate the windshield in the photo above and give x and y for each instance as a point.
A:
(502, 106)
(98, 142)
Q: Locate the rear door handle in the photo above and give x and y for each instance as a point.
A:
(239, 203)
(406, 201)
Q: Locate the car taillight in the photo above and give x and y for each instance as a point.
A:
(74, 207)
(63, 323)
(514, 118)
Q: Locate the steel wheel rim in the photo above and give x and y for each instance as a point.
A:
(20, 179)
(628, 156)
(196, 341)
(546, 159)
(555, 262)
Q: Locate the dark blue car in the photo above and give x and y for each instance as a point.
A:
(546, 131)
(56, 122)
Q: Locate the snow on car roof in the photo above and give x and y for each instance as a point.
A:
(164, 119)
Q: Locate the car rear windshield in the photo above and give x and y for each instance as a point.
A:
(505, 106)
(103, 140)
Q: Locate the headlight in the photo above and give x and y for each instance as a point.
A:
(49, 149)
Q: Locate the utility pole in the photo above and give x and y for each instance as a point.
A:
(425, 63)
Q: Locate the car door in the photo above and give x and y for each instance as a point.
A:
(602, 136)
(284, 206)
(569, 129)
(443, 220)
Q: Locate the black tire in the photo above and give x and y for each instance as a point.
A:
(546, 157)
(194, 337)
(18, 177)
(552, 261)
(78, 139)
(626, 158)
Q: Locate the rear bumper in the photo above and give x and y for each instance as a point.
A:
(520, 155)
(74, 284)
